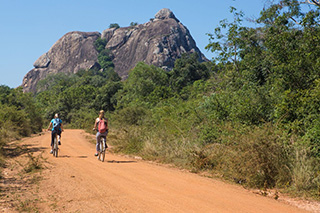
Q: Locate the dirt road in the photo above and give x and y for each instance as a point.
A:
(77, 182)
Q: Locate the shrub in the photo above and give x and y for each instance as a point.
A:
(306, 171)
(132, 24)
(263, 157)
(100, 44)
(34, 163)
(132, 115)
(14, 123)
(83, 118)
(114, 25)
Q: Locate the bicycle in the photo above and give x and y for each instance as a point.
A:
(55, 146)
(103, 146)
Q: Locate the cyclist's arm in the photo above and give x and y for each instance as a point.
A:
(62, 127)
(50, 125)
(95, 124)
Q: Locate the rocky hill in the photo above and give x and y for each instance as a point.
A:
(159, 42)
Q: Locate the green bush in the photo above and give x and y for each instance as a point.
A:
(133, 115)
(100, 44)
(114, 25)
(14, 123)
(264, 157)
(83, 118)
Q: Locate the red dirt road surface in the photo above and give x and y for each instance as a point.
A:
(77, 182)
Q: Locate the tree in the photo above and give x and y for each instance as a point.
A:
(230, 49)
(294, 62)
(187, 70)
(111, 75)
(105, 59)
(100, 44)
(56, 82)
(132, 24)
(114, 25)
(74, 98)
(4, 92)
(141, 86)
(105, 98)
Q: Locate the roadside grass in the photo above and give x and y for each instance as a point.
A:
(34, 164)
(27, 205)
(262, 158)
(21, 177)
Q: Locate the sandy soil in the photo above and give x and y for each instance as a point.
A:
(77, 182)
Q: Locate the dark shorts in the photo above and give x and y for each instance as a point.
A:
(53, 133)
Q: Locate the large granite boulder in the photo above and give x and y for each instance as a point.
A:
(72, 52)
(159, 42)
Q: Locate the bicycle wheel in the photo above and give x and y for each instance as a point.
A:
(100, 149)
(101, 154)
(103, 151)
(55, 147)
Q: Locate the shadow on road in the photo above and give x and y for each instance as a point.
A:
(17, 150)
(124, 161)
(68, 156)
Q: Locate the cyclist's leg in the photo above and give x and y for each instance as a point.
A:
(59, 137)
(98, 135)
(104, 135)
(52, 137)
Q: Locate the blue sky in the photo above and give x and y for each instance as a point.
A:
(28, 29)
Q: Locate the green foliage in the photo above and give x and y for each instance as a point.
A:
(111, 75)
(14, 122)
(145, 85)
(82, 118)
(187, 70)
(105, 59)
(20, 109)
(4, 94)
(19, 117)
(75, 97)
(100, 44)
(231, 48)
(106, 96)
(132, 24)
(56, 83)
(249, 105)
(66, 94)
(114, 25)
(131, 115)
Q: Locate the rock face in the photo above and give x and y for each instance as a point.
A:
(159, 42)
(72, 52)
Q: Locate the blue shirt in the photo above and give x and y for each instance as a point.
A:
(55, 122)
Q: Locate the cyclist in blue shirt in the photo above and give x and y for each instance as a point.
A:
(57, 128)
